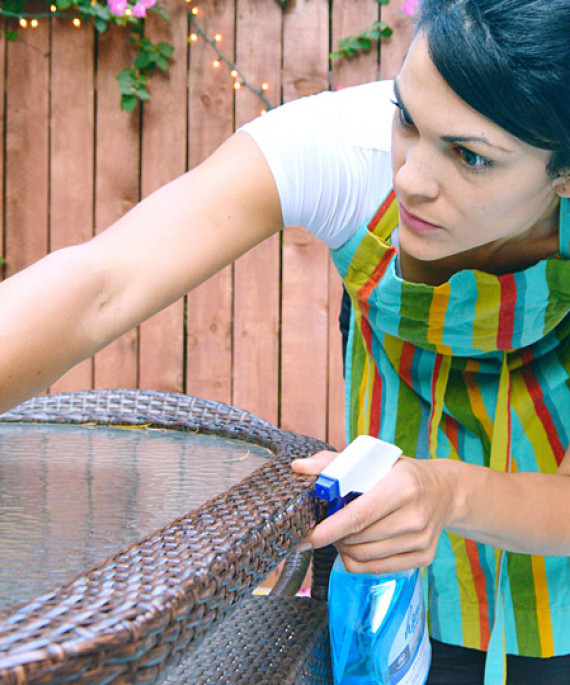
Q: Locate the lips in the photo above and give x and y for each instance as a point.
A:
(415, 223)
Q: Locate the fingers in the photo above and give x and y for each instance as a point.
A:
(312, 466)
(392, 564)
(354, 519)
(392, 519)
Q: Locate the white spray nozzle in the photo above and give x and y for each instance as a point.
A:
(357, 468)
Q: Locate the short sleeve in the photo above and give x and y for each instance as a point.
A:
(330, 157)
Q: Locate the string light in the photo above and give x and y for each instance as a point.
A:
(240, 80)
(34, 17)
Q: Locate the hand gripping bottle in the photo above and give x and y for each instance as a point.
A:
(377, 623)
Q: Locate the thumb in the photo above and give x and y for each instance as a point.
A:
(312, 466)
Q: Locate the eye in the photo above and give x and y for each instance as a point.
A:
(404, 118)
(472, 160)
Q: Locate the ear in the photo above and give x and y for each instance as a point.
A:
(561, 186)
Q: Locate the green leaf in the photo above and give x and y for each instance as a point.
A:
(166, 49)
(11, 35)
(128, 102)
(100, 24)
(162, 63)
(15, 6)
(127, 79)
(159, 11)
(144, 60)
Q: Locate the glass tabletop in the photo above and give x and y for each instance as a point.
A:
(71, 496)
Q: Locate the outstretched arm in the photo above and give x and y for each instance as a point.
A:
(397, 523)
(75, 301)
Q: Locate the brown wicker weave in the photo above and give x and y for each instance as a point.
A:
(141, 610)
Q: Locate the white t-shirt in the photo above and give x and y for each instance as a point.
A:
(330, 157)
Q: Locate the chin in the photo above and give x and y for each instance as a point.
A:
(423, 248)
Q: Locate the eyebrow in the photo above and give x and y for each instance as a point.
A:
(449, 139)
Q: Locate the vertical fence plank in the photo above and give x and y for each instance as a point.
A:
(161, 341)
(209, 353)
(393, 50)
(72, 154)
(256, 274)
(117, 187)
(27, 148)
(305, 259)
(349, 17)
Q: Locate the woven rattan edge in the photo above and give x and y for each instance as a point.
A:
(124, 620)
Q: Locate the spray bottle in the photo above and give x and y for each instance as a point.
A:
(377, 623)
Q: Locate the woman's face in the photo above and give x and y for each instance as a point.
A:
(464, 185)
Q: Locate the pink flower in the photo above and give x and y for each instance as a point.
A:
(140, 8)
(409, 7)
(117, 7)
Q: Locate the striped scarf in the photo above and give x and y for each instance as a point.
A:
(468, 370)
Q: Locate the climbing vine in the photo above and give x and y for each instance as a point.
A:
(149, 56)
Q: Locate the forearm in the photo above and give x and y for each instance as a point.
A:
(518, 512)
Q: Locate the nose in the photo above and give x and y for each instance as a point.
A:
(415, 172)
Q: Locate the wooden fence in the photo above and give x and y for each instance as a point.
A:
(72, 162)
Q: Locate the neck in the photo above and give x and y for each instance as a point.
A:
(499, 257)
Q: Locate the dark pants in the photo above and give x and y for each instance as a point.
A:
(452, 665)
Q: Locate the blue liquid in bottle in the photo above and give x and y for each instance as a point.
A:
(378, 628)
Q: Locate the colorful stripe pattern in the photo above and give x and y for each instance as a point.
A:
(476, 369)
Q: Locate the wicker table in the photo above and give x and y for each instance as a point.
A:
(169, 605)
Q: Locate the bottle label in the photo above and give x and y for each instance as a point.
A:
(410, 653)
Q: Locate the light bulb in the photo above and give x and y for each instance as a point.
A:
(265, 86)
(218, 37)
(216, 63)
(23, 23)
(193, 37)
(77, 22)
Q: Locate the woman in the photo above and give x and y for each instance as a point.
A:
(480, 147)
(460, 283)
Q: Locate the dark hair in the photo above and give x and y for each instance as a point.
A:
(509, 60)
